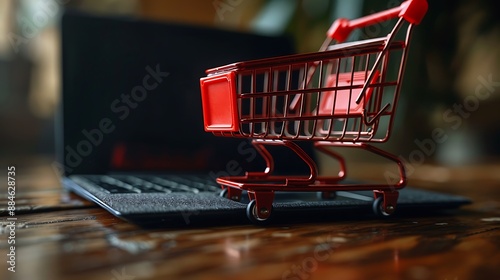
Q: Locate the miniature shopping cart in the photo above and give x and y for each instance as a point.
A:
(344, 95)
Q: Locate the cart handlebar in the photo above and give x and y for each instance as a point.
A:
(412, 11)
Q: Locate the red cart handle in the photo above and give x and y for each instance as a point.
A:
(412, 11)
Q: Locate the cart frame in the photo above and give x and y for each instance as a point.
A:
(344, 95)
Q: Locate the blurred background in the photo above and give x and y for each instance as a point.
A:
(449, 110)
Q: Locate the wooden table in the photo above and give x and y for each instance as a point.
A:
(60, 236)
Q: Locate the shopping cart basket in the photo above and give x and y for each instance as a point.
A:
(344, 95)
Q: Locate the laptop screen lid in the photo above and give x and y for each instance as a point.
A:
(131, 97)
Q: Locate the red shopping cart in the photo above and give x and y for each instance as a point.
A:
(344, 95)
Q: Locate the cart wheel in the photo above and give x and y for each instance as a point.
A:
(223, 193)
(378, 208)
(252, 214)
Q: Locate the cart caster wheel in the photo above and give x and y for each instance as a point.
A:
(223, 193)
(378, 208)
(327, 195)
(252, 214)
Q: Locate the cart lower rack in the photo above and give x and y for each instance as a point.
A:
(344, 95)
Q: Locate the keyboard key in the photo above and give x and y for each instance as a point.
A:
(114, 184)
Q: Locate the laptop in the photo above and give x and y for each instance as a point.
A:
(130, 133)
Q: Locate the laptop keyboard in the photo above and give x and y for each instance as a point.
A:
(119, 184)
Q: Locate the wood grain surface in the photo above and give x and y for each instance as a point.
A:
(61, 236)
